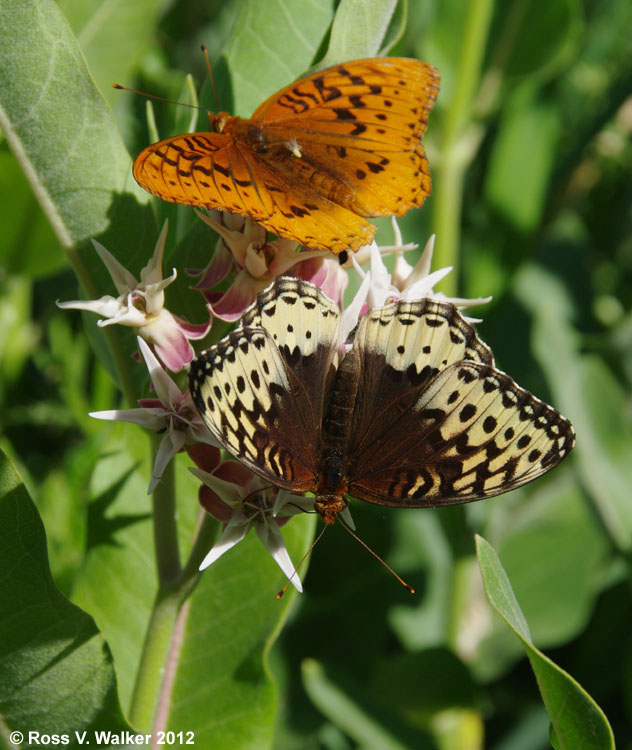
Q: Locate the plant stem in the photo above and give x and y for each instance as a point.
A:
(448, 193)
(165, 526)
(205, 537)
(155, 651)
(175, 586)
(448, 204)
(168, 601)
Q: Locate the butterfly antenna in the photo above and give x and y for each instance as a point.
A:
(298, 567)
(161, 98)
(210, 75)
(407, 586)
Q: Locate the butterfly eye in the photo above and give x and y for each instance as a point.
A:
(220, 121)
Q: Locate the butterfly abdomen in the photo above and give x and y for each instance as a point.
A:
(335, 435)
(342, 399)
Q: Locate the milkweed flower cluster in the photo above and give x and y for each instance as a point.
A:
(241, 500)
(229, 491)
(173, 414)
(243, 245)
(141, 305)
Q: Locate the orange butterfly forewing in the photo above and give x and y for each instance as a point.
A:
(315, 159)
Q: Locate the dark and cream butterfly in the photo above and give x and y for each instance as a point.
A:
(415, 414)
(314, 159)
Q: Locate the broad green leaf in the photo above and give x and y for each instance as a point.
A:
(117, 583)
(64, 137)
(520, 166)
(555, 555)
(221, 687)
(27, 243)
(56, 671)
(359, 30)
(589, 395)
(557, 559)
(577, 721)
(598, 412)
(271, 45)
(558, 25)
(113, 35)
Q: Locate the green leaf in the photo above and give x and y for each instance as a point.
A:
(577, 721)
(423, 623)
(347, 705)
(559, 26)
(557, 559)
(113, 36)
(590, 396)
(520, 166)
(56, 671)
(256, 65)
(27, 243)
(359, 30)
(117, 583)
(222, 689)
(64, 137)
(223, 686)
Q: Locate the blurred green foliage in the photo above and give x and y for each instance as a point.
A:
(531, 157)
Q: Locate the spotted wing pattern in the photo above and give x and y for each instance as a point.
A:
(261, 390)
(447, 426)
(362, 124)
(315, 159)
(399, 349)
(207, 170)
(416, 414)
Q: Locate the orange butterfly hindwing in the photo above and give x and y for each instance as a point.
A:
(315, 160)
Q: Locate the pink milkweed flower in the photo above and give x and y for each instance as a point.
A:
(241, 500)
(173, 413)
(140, 304)
(327, 274)
(243, 245)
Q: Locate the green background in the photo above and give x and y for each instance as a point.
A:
(531, 159)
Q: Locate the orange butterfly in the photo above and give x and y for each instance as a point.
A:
(315, 159)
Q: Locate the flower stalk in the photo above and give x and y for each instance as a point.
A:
(458, 143)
